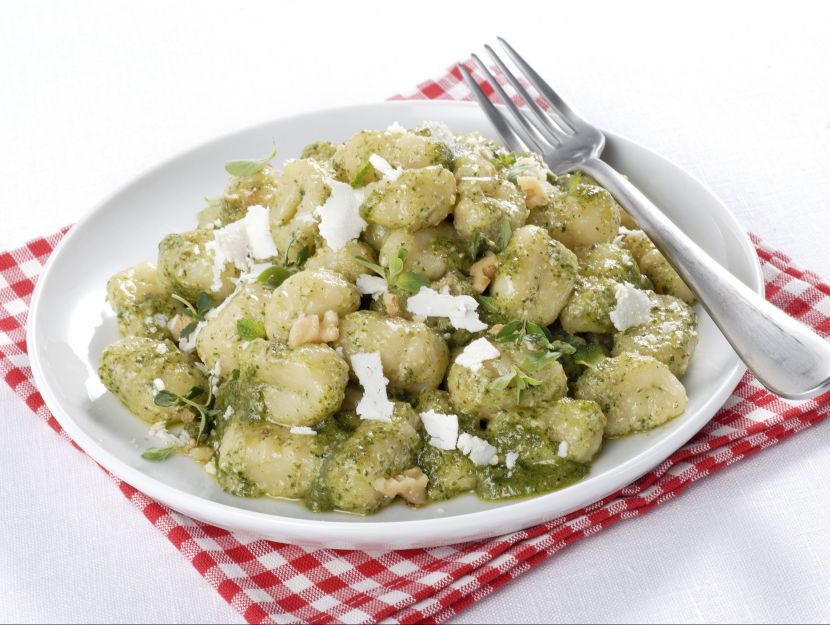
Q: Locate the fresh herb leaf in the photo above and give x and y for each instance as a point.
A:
(302, 257)
(488, 303)
(359, 177)
(589, 355)
(481, 243)
(370, 265)
(248, 167)
(188, 329)
(203, 304)
(234, 375)
(188, 310)
(273, 276)
(166, 399)
(248, 329)
(523, 382)
(157, 454)
(505, 234)
(396, 264)
(194, 392)
(501, 383)
(411, 282)
(512, 331)
(536, 361)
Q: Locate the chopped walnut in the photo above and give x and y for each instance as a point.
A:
(451, 282)
(186, 416)
(330, 328)
(496, 328)
(310, 329)
(482, 271)
(391, 304)
(535, 194)
(410, 485)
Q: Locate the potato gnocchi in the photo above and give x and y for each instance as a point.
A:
(410, 315)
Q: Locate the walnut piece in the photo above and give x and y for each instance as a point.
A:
(535, 194)
(410, 485)
(310, 329)
(483, 270)
(391, 304)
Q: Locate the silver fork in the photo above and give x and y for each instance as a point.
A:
(785, 355)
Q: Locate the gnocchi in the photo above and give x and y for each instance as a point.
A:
(408, 315)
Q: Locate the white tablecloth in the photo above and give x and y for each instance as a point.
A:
(739, 96)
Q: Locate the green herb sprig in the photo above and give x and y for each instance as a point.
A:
(197, 313)
(523, 381)
(359, 179)
(481, 243)
(157, 454)
(206, 414)
(249, 167)
(274, 276)
(395, 276)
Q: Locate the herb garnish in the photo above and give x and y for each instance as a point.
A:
(360, 176)
(481, 243)
(167, 399)
(203, 304)
(523, 381)
(248, 167)
(248, 329)
(407, 280)
(274, 276)
(157, 454)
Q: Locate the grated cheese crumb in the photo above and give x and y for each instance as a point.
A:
(304, 430)
(562, 452)
(158, 384)
(480, 452)
(633, 307)
(371, 285)
(384, 167)
(510, 459)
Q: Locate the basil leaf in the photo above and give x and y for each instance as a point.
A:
(505, 234)
(157, 454)
(588, 355)
(501, 383)
(249, 329)
(302, 257)
(539, 330)
(273, 276)
(234, 375)
(359, 177)
(188, 329)
(203, 304)
(370, 265)
(411, 282)
(165, 399)
(248, 167)
(510, 331)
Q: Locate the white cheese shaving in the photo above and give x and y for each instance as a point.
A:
(304, 430)
(340, 220)
(562, 452)
(158, 384)
(460, 309)
(228, 413)
(375, 404)
(384, 167)
(371, 285)
(162, 348)
(510, 459)
(633, 307)
(476, 353)
(241, 242)
(442, 428)
(159, 430)
(480, 452)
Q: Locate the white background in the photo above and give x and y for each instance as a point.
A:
(738, 94)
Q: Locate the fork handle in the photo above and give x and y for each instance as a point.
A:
(785, 355)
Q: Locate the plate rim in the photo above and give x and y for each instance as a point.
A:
(428, 532)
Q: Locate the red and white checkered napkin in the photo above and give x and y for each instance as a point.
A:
(271, 582)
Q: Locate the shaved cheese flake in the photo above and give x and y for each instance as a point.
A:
(459, 309)
(633, 307)
(384, 167)
(478, 450)
(476, 353)
(375, 404)
(371, 285)
(258, 232)
(562, 452)
(340, 220)
(240, 242)
(510, 459)
(442, 428)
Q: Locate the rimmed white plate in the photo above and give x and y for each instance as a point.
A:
(68, 329)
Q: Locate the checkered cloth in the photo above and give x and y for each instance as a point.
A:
(270, 582)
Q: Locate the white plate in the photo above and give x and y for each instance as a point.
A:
(68, 330)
